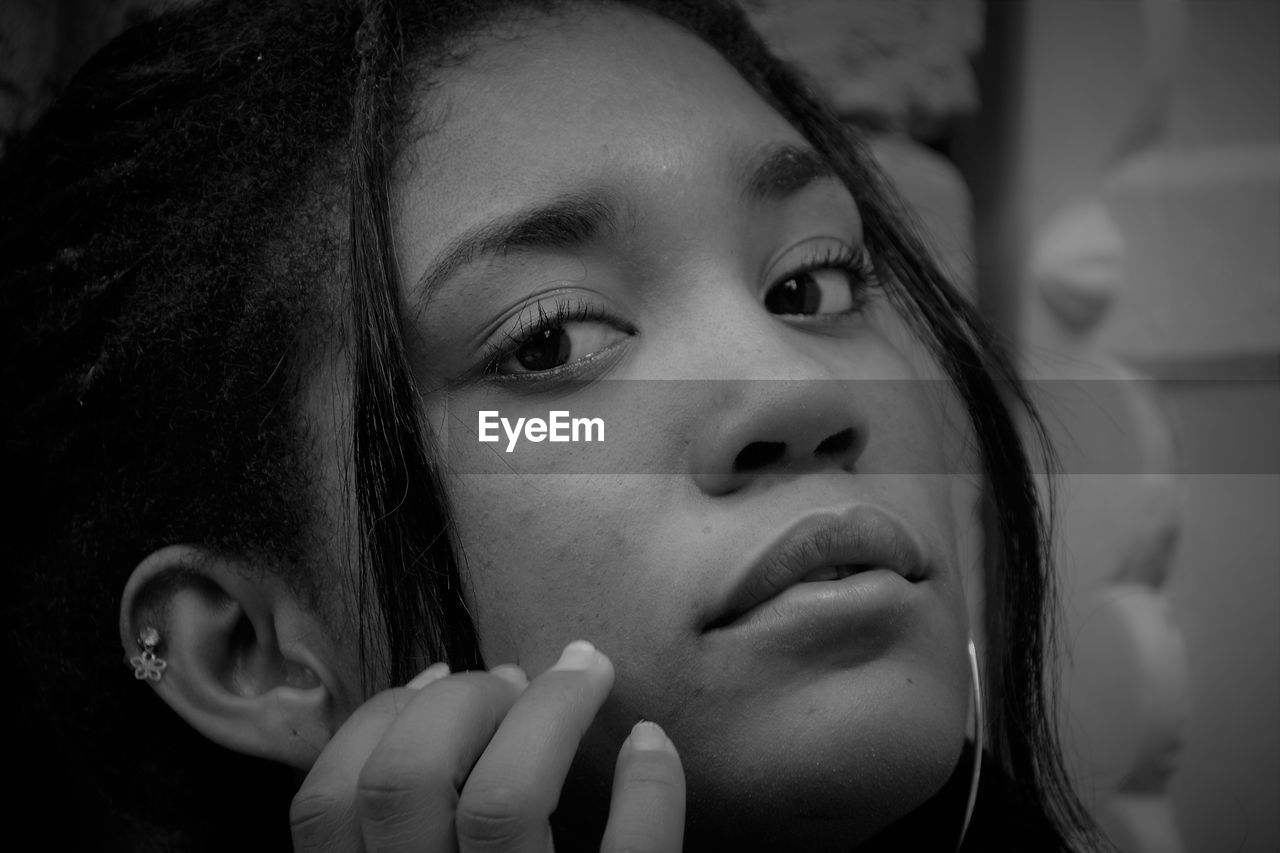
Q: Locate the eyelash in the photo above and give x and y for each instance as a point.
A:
(857, 262)
(563, 312)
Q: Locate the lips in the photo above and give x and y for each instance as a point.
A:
(822, 547)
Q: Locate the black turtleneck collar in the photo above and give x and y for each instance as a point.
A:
(1004, 819)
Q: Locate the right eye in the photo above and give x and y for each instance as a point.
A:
(554, 343)
(553, 346)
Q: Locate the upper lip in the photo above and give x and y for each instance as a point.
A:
(863, 537)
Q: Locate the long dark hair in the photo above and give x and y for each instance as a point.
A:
(172, 275)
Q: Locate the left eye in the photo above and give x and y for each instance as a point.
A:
(821, 291)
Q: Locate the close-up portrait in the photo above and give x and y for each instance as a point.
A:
(641, 426)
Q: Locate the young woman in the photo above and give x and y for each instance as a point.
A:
(276, 275)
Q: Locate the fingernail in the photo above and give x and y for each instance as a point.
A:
(649, 735)
(512, 673)
(577, 655)
(435, 672)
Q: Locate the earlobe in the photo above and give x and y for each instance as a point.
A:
(235, 653)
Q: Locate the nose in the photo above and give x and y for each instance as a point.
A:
(763, 428)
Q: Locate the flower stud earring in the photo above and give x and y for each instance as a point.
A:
(147, 666)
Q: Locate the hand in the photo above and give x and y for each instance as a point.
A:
(475, 761)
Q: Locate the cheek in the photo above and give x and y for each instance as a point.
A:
(918, 456)
(540, 561)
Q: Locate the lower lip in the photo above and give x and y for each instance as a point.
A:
(850, 614)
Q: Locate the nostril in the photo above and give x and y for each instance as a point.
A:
(834, 445)
(759, 454)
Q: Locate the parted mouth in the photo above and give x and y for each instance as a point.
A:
(825, 546)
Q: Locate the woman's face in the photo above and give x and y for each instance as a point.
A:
(600, 217)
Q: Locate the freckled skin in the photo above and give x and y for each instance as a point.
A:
(631, 561)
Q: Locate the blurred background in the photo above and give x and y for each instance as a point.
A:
(1103, 178)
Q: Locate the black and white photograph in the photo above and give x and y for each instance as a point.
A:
(641, 426)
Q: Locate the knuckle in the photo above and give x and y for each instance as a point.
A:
(494, 815)
(384, 790)
(471, 699)
(659, 780)
(314, 815)
(655, 770)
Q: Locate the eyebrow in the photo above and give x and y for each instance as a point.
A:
(565, 222)
(773, 173)
(780, 171)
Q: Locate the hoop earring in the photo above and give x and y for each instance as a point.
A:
(978, 736)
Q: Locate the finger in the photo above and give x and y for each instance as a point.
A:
(646, 814)
(322, 816)
(516, 784)
(408, 788)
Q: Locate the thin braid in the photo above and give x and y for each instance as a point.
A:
(396, 489)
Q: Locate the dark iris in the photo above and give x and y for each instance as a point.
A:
(545, 350)
(797, 295)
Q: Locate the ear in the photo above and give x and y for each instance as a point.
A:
(245, 662)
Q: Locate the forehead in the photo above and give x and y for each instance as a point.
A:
(610, 98)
